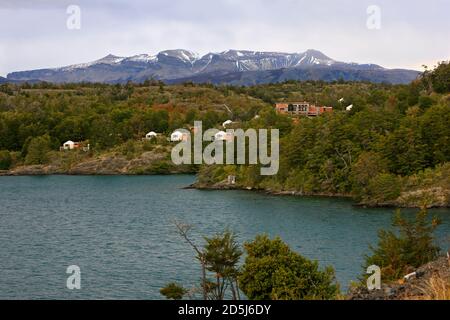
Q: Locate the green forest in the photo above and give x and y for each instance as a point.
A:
(392, 148)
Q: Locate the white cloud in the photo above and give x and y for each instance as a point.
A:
(36, 35)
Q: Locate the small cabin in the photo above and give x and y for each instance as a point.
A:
(349, 108)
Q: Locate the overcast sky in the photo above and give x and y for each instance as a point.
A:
(33, 33)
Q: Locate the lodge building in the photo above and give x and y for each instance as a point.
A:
(301, 109)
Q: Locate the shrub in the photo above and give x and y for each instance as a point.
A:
(367, 167)
(160, 168)
(148, 145)
(128, 148)
(440, 77)
(221, 255)
(273, 271)
(218, 260)
(383, 187)
(397, 254)
(300, 180)
(38, 149)
(173, 291)
(425, 102)
(5, 160)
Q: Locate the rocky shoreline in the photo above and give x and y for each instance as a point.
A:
(147, 163)
(404, 201)
(150, 163)
(428, 282)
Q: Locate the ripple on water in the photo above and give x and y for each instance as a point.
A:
(119, 231)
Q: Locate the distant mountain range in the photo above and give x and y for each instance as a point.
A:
(237, 67)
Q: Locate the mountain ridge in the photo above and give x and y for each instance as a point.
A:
(183, 65)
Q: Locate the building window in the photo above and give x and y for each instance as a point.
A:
(303, 108)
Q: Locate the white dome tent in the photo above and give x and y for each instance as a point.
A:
(151, 135)
(223, 136)
(178, 135)
(227, 123)
(69, 145)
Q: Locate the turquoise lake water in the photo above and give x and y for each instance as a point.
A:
(119, 231)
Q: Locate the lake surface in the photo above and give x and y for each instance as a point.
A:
(119, 231)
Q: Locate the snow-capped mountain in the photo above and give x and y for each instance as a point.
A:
(109, 59)
(185, 56)
(234, 60)
(183, 65)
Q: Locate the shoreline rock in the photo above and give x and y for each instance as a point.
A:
(109, 166)
(417, 286)
(147, 163)
(393, 204)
